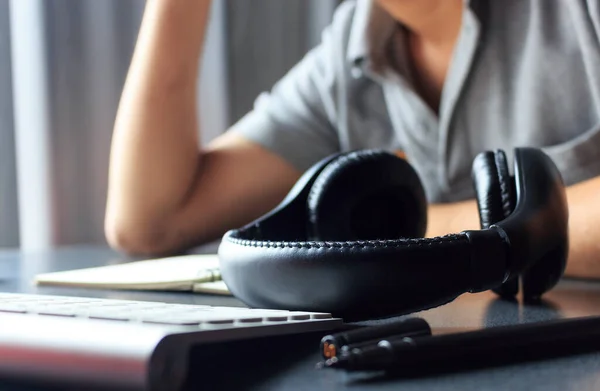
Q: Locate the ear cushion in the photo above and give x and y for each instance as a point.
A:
(367, 195)
(494, 187)
(495, 196)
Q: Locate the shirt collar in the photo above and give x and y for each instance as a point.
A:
(370, 32)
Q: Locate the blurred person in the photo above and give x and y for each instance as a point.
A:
(436, 80)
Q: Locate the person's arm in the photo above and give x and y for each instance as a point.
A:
(165, 194)
(584, 227)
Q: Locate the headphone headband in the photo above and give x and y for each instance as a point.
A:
(271, 263)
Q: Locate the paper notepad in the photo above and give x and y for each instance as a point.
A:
(196, 273)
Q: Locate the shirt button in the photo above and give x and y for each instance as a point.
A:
(356, 72)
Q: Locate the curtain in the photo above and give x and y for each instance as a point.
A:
(56, 122)
(9, 222)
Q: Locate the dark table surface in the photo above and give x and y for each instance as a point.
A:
(295, 370)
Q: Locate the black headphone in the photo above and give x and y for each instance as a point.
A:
(348, 238)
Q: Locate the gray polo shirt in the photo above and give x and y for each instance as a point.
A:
(523, 73)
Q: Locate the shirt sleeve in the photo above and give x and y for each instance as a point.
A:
(296, 119)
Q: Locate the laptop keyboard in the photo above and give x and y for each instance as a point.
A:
(203, 316)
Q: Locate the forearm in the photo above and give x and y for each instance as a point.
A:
(584, 229)
(154, 154)
(443, 219)
(584, 226)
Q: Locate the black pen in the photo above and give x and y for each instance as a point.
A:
(511, 343)
(331, 345)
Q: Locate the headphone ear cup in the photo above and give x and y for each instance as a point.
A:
(543, 275)
(367, 195)
(495, 194)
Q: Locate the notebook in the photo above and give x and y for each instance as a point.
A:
(195, 273)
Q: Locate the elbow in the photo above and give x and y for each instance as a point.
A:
(137, 239)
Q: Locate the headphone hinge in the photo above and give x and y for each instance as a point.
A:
(489, 258)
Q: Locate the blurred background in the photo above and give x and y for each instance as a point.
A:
(62, 67)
